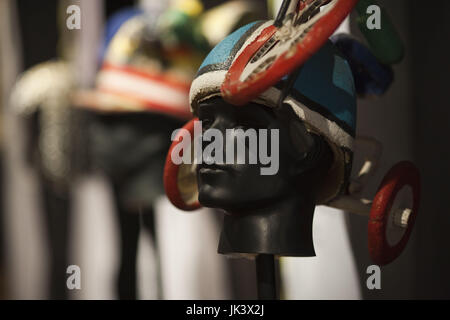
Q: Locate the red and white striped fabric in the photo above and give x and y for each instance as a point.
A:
(127, 89)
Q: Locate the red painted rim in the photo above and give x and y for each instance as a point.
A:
(171, 175)
(160, 78)
(239, 92)
(402, 174)
(149, 105)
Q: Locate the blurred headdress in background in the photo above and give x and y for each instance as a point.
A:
(149, 60)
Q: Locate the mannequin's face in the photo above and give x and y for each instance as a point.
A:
(240, 186)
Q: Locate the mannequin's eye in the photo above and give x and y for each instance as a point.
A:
(241, 126)
(249, 125)
(206, 123)
(250, 121)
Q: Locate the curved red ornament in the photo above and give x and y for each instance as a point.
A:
(171, 174)
(276, 52)
(402, 174)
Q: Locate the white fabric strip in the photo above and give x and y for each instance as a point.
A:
(252, 38)
(141, 88)
(206, 86)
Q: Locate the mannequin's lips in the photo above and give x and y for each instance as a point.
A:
(214, 168)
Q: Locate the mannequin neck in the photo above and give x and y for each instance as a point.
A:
(294, 202)
(283, 228)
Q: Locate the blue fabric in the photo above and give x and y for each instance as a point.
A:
(326, 79)
(340, 76)
(113, 25)
(371, 76)
(222, 51)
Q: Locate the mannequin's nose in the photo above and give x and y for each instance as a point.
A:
(222, 125)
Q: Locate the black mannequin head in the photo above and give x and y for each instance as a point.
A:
(265, 213)
(303, 159)
(314, 110)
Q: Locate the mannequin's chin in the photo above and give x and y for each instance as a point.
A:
(226, 199)
(219, 198)
(212, 197)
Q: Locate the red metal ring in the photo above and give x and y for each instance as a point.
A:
(171, 175)
(402, 174)
(239, 92)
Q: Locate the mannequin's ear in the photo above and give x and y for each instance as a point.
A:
(302, 141)
(317, 157)
(180, 180)
(300, 138)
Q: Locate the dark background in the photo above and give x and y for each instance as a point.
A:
(417, 131)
